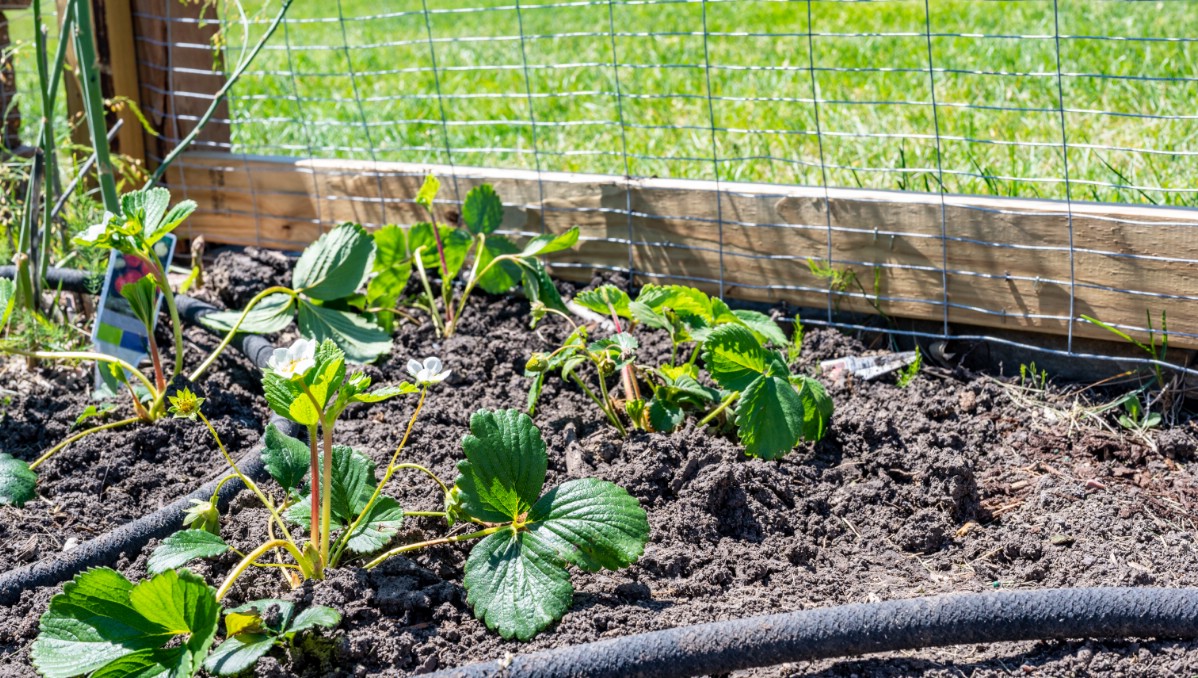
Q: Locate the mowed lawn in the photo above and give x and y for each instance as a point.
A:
(534, 86)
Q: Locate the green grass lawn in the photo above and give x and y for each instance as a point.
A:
(999, 125)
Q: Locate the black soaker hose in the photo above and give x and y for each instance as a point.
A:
(68, 279)
(135, 534)
(953, 619)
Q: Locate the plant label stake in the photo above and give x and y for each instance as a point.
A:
(117, 331)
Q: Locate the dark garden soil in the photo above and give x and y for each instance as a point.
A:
(947, 485)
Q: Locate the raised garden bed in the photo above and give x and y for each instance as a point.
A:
(947, 485)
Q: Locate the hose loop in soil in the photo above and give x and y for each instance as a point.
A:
(106, 548)
(848, 630)
(68, 279)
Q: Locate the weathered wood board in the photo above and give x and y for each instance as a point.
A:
(993, 262)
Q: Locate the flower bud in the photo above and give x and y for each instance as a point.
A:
(202, 515)
(539, 362)
(607, 366)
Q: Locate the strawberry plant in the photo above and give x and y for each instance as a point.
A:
(473, 250)
(321, 299)
(771, 408)
(104, 625)
(517, 574)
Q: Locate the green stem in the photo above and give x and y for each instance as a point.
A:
(391, 469)
(424, 514)
(470, 284)
(612, 414)
(216, 490)
(219, 97)
(95, 429)
(314, 494)
(428, 290)
(425, 471)
(723, 406)
(601, 403)
(176, 325)
(199, 371)
(253, 487)
(84, 355)
(257, 553)
(434, 542)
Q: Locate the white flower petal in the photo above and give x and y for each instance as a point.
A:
(432, 364)
(414, 367)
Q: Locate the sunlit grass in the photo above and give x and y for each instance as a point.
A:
(365, 88)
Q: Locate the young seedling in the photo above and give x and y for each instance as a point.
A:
(490, 261)
(1156, 350)
(772, 409)
(908, 373)
(324, 282)
(104, 625)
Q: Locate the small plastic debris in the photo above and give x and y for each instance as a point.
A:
(868, 367)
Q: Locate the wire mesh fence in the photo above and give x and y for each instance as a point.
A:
(1074, 101)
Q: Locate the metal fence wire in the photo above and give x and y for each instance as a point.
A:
(1077, 101)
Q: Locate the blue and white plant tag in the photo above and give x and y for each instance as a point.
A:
(117, 331)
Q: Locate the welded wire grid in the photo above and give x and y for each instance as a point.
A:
(1058, 99)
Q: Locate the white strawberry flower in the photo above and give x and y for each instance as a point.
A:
(427, 373)
(295, 361)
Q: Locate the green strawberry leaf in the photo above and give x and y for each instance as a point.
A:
(665, 416)
(505, 466)
(428, 192)
(382, 393)
(591, 523)
(352, 484)
(517, 584)
(94, 412)
(239, 653)
(142, 296)
(183, 547)
(482, 211)
(272, 314)
(362, 341)
(817, 406)
(599, 299)
(378, 527)
(335, 265)
(770, 418)
(393, 268)
(538, 286)
(18, 484)
(502, 276)
(548, 243)
(620, 347)
(734, 357)
(101, 622)
(766, 330)
(317, 615)
(286, 459)
(249, 636)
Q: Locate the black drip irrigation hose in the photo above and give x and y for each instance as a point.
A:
(847, 630)
(69, 280)
(106, 548)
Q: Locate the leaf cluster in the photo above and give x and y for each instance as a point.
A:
(772, 409)
(323, 298)
(473, 250)
(105, 626)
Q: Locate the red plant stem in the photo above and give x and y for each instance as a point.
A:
(631, 391)
(159, 377)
